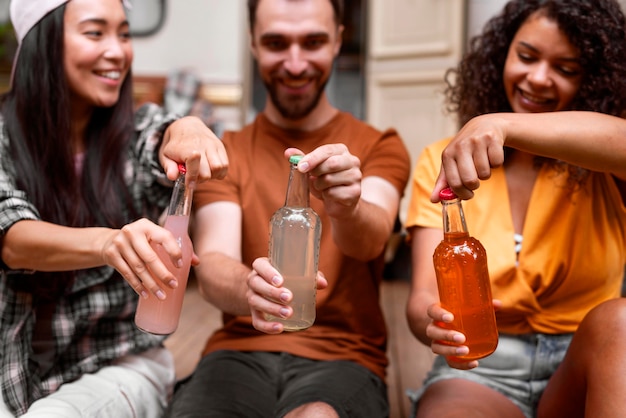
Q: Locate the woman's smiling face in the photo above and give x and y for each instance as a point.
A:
(542, 72)
(98, 51)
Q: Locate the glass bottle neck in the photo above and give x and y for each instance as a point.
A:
(297, 189)
(180, 204)
(453, 217)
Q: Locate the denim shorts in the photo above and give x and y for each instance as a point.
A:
(519, 368)
(228, 384)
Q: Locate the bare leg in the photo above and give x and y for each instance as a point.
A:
(465, 399)
(591, 381)
(313, 410)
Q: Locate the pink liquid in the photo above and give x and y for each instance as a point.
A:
(161, 316)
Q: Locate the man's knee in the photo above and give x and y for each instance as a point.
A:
(314, 409)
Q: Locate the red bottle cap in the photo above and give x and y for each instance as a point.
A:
(182, 169)
(447, 194)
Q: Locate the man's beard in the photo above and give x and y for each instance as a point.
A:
(295, 109)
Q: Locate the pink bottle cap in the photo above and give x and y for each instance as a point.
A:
(447, 194)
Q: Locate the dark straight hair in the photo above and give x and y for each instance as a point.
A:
(37, 120)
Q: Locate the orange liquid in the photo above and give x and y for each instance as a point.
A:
(464, 289)
(161, 316)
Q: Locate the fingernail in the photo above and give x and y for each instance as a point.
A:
(303, 166)
(284, 312)
(179, 263)
(462, 351)
(173, 284)
(276, 281)
(458, 338)
(447, 318)
(284, 296)
(144, 294)
(160, 294)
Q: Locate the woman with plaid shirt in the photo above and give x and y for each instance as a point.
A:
(82, 183)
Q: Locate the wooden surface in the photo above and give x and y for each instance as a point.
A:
(198, 320)
(409, 359)
(148, 89)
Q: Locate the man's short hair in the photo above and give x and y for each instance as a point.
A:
(254, 4)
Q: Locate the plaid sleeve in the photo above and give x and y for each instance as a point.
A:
(151, 121)
(14, 207)
(14, 204)
(145, 177)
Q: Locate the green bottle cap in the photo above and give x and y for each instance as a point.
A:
(295, 159)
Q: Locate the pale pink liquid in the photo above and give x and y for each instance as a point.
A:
(294, 251)
(161, 316)
(303, 303)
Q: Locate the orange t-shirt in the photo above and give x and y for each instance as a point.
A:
(573, 251)
(349, 323)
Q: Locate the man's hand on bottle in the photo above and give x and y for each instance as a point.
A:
(267, 296)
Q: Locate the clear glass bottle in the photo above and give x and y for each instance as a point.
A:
(161, 316)
(463, 281)
(294, 246)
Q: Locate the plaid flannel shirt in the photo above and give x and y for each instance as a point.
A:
(93, 324)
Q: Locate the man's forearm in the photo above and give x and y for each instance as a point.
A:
(222, 282)
(365, 235)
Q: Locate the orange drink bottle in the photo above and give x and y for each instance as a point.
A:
(460, 263)
(161, 316)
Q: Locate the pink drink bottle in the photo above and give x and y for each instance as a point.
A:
(294, 246)
(161, 316)
(463, 281)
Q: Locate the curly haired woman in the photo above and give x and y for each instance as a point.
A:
(540, 94)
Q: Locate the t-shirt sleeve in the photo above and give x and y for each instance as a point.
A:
(225, 190)
(390, 161)
(421, 211)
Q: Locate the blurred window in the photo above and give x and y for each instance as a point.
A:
(146, 17)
